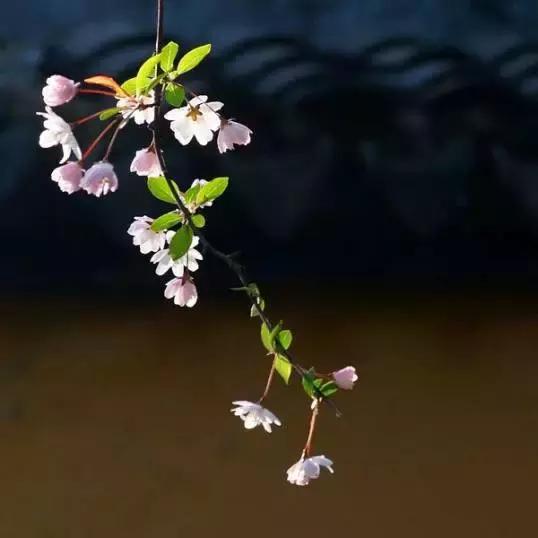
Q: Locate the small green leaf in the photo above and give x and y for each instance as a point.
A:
(180, 243)
(192, 192)
(328, 388)
(211, 190)
(283, 367)
(160, 189)
(308, 383)
(130, 86)
(108, 113)
(174, 95)
(146, 73)
(254, 310)
(166, 221)
(168, 55)
(268, 337)
(285, 337)
(198, 220)
(192, 59)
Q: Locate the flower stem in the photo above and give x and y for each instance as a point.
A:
(100, 136)
(86, 118)
(313, 418)
(268, 384)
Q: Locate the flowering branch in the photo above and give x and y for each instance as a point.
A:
(174, 236)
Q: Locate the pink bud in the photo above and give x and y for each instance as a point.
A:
(146, 163)
(59, 90)
(345, 378)
(100, 179)
(232, 133)
(68, 177)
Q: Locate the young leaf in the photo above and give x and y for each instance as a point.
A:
(168, 55)
(211, 190)
(192, 192)
(254, 310)
(283, 367)
(129, 86)
(108, 113)
(146, 73)
(285, 337)
(308, 383)
(180, 243)
(198, 220)
(328, 388)
(107, 82)
(166, 221)
(159, 188)
(192, 59)
(268, 337)
(174, 95)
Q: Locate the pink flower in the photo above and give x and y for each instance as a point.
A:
(345, 378)
(100, 179)
(183, 291)
(144, 237)
(304, 470)
(146, 163)
(68, 177)
(59, 90)
(232, 133)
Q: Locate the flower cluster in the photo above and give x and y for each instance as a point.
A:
(174, 239)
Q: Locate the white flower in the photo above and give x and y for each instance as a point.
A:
(231, 133)
(345, 378)
(58, 132)
(138, 108)
(146, 163)
(145, 237)
(198, 119)
(100, 179)
(183, 291)
(188, 261)
(253, 414)
(68, 176)
(304, 470)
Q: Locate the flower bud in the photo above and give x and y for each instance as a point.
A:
(59, 90)
(68, 177)
(146, 163)
(100, 179)
(345, 378)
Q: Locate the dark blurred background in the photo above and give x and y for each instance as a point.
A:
(388, 205)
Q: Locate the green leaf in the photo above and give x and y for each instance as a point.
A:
(160, 189)
(168, 55)
(180, 243)
(283, 367)
(254, 311)
(192, 192)
(198, 220)
(211, 190)
(108, 113)
(174, 95)
(166, 221)
(268, 337)
(285, 337)
(308, 383)
(146, 73)
(130, 86)
(192, 59)
(328, 388)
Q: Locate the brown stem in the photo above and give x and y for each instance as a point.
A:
(100, 136)
(112, 140)
(268, 384)
(86, 118)
(313, 418)
(228, 259)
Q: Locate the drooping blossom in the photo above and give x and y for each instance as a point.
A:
(68, 177)
(183, 291)
(345, 378)
(231, 133)
(139, 108)
(100, 179)
(146, 163)
(253, 414)
(188, 261)
(144, 237)
(198, 119)
(57, 132)
(304, 470)
(59, 90)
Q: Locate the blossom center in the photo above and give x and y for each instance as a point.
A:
(194, 112)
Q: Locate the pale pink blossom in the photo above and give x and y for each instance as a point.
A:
(57, 132)
(253, 414)
(231, 133)
(68, 177)
(183, 291)
(59, 90)
(146, 163)
(345, 378)
(100, 179)
(304, 470)
(188, 261)
(144, 237)
(139, 108)
(198, 119)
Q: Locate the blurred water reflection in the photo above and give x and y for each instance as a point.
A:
(114, 420)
